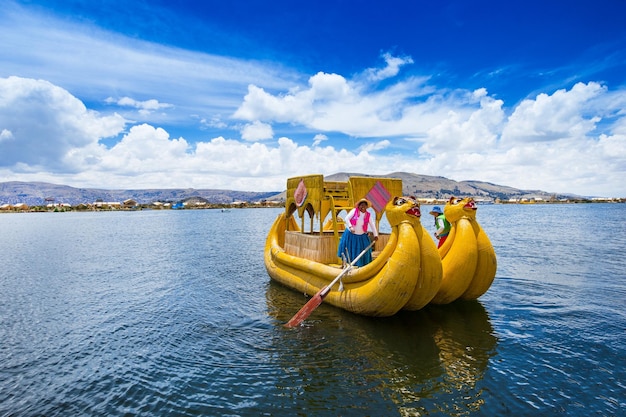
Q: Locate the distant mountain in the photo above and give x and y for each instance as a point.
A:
(427, 186)
(421, 186)
(41, 193)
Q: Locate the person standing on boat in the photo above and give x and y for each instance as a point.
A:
(441, 224)
(355, 238)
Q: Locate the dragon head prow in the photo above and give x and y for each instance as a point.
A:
(401, 209)
(457, 208)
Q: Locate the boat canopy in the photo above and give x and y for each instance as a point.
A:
(319, 198)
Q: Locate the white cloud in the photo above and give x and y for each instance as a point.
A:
(212, 122)
(555, 117)
(146, 149)
(259, 104)
(549, 143)
(61, 143)
(467, 131)
(145, 107)
(332, 103)
(375, 146)
(6, 135)
(52, 128)
(319, 138)
(391, 70)
(257, 131)
(46, 123)
(95, 64)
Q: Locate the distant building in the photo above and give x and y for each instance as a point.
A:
(130, 203)
(107, 205)
(14, 207)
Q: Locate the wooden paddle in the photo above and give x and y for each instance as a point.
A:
(317, 299)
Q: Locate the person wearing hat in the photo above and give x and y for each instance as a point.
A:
(441, 224)
(355, 238)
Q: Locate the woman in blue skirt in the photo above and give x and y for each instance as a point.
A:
(355, 238)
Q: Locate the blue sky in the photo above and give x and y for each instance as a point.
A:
(243, 94)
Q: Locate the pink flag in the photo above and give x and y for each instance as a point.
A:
(379, 196)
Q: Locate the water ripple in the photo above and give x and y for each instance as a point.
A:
(172, 313)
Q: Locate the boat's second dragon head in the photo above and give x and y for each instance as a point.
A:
(457, 208)
(402, 209)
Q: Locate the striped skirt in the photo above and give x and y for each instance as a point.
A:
(351, 245)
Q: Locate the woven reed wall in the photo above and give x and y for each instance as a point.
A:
(315, 247)
(383, 238)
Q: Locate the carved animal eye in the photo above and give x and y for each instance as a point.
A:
(400, 201)
(403, 200)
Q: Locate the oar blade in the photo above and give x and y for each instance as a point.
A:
(317, 299)
(306, 310)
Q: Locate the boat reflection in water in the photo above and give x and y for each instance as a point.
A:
(416, 363)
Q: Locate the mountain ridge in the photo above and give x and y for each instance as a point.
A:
(442, 188)
(418, 185)
(41, 193)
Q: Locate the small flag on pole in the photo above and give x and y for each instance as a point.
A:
(379, 196)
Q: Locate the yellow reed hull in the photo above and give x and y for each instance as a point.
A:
(467, 256)
(378, 289)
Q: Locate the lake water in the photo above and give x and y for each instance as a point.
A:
(173, 313)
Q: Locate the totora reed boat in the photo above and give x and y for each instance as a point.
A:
(407, 271)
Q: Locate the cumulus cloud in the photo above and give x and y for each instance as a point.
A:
(552, 139)
(257, 131)
(46, 123)
(472, 130)
(332, 103)
(60, 143)
(568, 141)
(561, 115)
(54, 126)
(146, 148)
